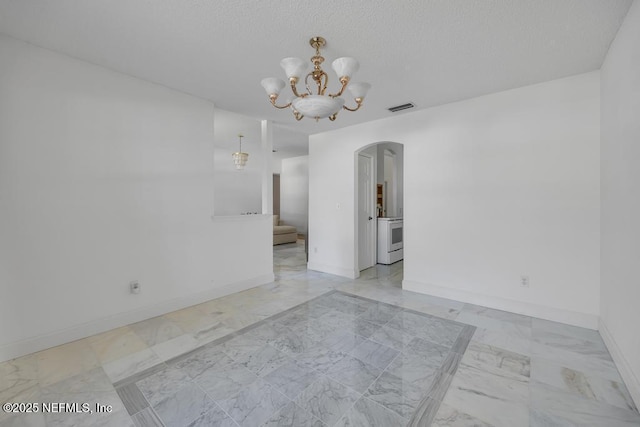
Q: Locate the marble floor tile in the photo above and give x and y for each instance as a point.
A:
(433, 354)
(264, 360)
(156, 330)
(367, 413)
(464, 337)
(327, 400)
(293, 342)
(432, 329)
(255, 404)
(241, 346)
(450, 417)
(504, 316)
(342, 341)
(132, 398)
(393, 393)
(220, 384)
(76, 390)
(293, 416)
(291, 378)
(554, 402)
(490, 410)
(186, 405)
(354, 373)
(212, 332)
(215, 417)
(32, 394)
(176, 346)
(379, 314)
(591, 348)
(492, 358)
(239, 320)
(500, 400)
(538, 325)
(65, 361)
(433, 310)
(17, 376)
(115, 344)
(424, 413)
(504, 340)
(24, 420)
(289, 321)
(146, 418)
(127, 366)
(91, 381)
(501, 384)
(506, 327)
(115, 418)
(580, 362)
(193, 318)
(393, 337)
(210, 357)
(319, 358)
(162, 384)
(364, 327)
(581, 384)
(337, 319)
(375, 354)
(414, 369)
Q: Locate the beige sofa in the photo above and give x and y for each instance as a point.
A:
(283, 233)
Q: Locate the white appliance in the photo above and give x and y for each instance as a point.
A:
(390, 240)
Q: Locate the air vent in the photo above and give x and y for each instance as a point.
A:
(401, 107)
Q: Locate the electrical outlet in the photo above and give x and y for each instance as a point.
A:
(315, 249)
(524, 281)
(134, 287)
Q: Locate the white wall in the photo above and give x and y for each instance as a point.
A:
(495, 187)
(294, 192)
(105, 179)
(620, 227)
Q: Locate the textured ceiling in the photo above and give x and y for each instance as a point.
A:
(429, 52)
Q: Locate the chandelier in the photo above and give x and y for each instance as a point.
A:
(314, 102)
(240, 158)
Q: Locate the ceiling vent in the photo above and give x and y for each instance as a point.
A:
(401, 107)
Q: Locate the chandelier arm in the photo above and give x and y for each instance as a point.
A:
(273, 98)
(358, 101)
(298, 116)
(306, 83)
(294, 89)
(323, 87)
(345, 82)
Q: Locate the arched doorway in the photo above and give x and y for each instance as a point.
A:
(378, 196)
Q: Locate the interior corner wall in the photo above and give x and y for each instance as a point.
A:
(495, 188)
(294, 192)
(620, 226)
(106, 179)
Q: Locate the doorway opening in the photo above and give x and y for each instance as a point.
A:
(379, 205)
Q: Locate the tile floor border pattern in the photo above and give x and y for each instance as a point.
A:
(144, 414)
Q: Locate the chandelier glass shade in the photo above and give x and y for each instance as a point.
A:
(240, 158)
(314, 102)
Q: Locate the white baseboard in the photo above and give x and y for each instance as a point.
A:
(338, 271)
(31, 345)
(584, 320)
(629, 378)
